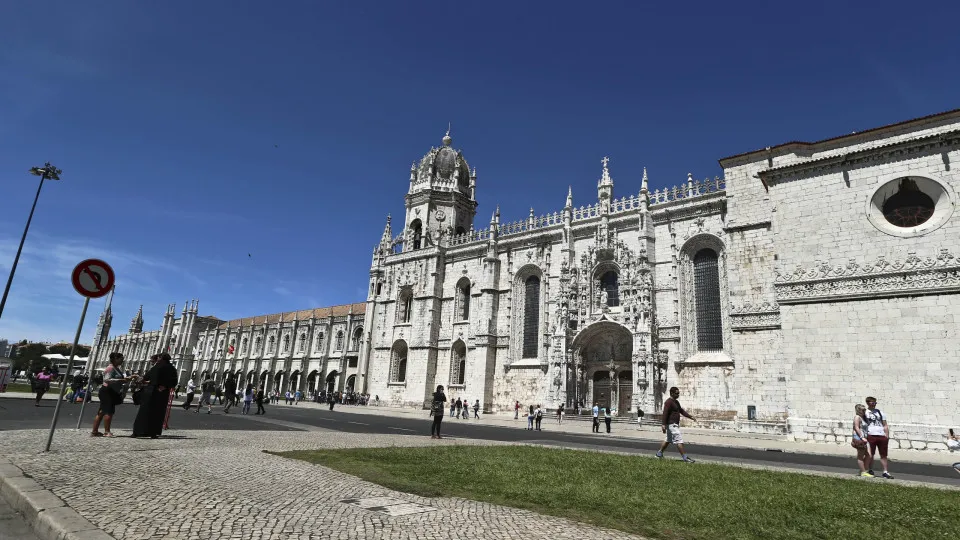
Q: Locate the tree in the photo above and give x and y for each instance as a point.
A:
(30, 357)
(64, 350)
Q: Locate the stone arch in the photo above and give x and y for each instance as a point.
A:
(312, 381)
(356, 339)
(294, 381)
(338, 345)
(606, 276)
(689, 347)
(331, 380)
(351, 383)
(605, 352)
(462, 299)
(416, 232)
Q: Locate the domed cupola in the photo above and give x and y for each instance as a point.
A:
(442, 169)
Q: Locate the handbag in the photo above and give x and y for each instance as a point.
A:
(858, 443)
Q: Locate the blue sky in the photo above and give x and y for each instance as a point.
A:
(193, 133)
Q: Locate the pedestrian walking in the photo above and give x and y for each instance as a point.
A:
(671, 424)
(191, 388)
(157, 384)
(596, 417)
(878, 434)
(476, 410)
(436, 410)
(259, 397)
(41, 383)
(111, 395)
(516, 410)
(560, 414)
(859, 441)
(607, 418)
(247, 399)
(230, 393)
(206, 395)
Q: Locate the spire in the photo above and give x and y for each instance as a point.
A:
(569, 197)
(387, 233)
(605, 180)
(643, 183)
(136, 325)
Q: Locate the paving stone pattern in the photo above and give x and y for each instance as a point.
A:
(220, 485)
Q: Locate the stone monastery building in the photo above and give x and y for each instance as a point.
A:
(776, 297)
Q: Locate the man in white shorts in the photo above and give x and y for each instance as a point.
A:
(671, 424)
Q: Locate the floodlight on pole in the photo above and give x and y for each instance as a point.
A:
(47, 172)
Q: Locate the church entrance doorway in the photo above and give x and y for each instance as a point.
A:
(603, 359)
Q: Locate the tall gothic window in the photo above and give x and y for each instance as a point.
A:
(271, 343)
(458, 363)
(319, 341)
(398, 362)
(357, 336)
(706, 284)
(286, 343)
(405, 305)
(302, 345)
(256, 345)
(531, 317)
(609, 282)
(243, 346)
(463, 300)
(339, 342)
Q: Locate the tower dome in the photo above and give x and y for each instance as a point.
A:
(442, 168)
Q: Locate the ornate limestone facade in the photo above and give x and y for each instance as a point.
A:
(776, 297)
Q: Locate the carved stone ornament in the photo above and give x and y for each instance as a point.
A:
(440, 215)
(882, 278)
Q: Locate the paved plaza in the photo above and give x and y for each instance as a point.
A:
(210, 478)
(220, 485)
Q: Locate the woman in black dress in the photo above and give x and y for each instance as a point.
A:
(436, 409)
(155, 395)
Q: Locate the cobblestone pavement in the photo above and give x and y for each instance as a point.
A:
(12, 524)
(220, 485)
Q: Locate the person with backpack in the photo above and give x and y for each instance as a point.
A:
(230, 391)
(538, 416)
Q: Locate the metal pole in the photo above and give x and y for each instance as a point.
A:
(63, 386)
(16, 259)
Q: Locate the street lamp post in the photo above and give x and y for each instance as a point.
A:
(46, 172)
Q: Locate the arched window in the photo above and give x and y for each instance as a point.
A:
(319, 345)
(531, 317)
(339, 342)
(379, 287)
(199, 347)
(398, 362)
(302, 344)
(609, 283)
(243, 346)
(286, 343)
(706, 284)
(271, 343)
(463, 300)
(220, 347)
(405, 305)
(458, 363)
(256, 345)
(357, 336)
(417, 229)
(233, 346)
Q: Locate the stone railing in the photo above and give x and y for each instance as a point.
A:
(530, 224)
(474, 235)
(692, 189)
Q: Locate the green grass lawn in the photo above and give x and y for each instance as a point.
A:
(657, 498)
(22, 387)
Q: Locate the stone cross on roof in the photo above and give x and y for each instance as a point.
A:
(605, 160)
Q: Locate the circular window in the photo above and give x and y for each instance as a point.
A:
(910, 206)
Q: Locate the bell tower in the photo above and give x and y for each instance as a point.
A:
(441, 201)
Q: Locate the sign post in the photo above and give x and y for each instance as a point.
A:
(91, 278)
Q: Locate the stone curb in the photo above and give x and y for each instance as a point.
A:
(48, 516)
